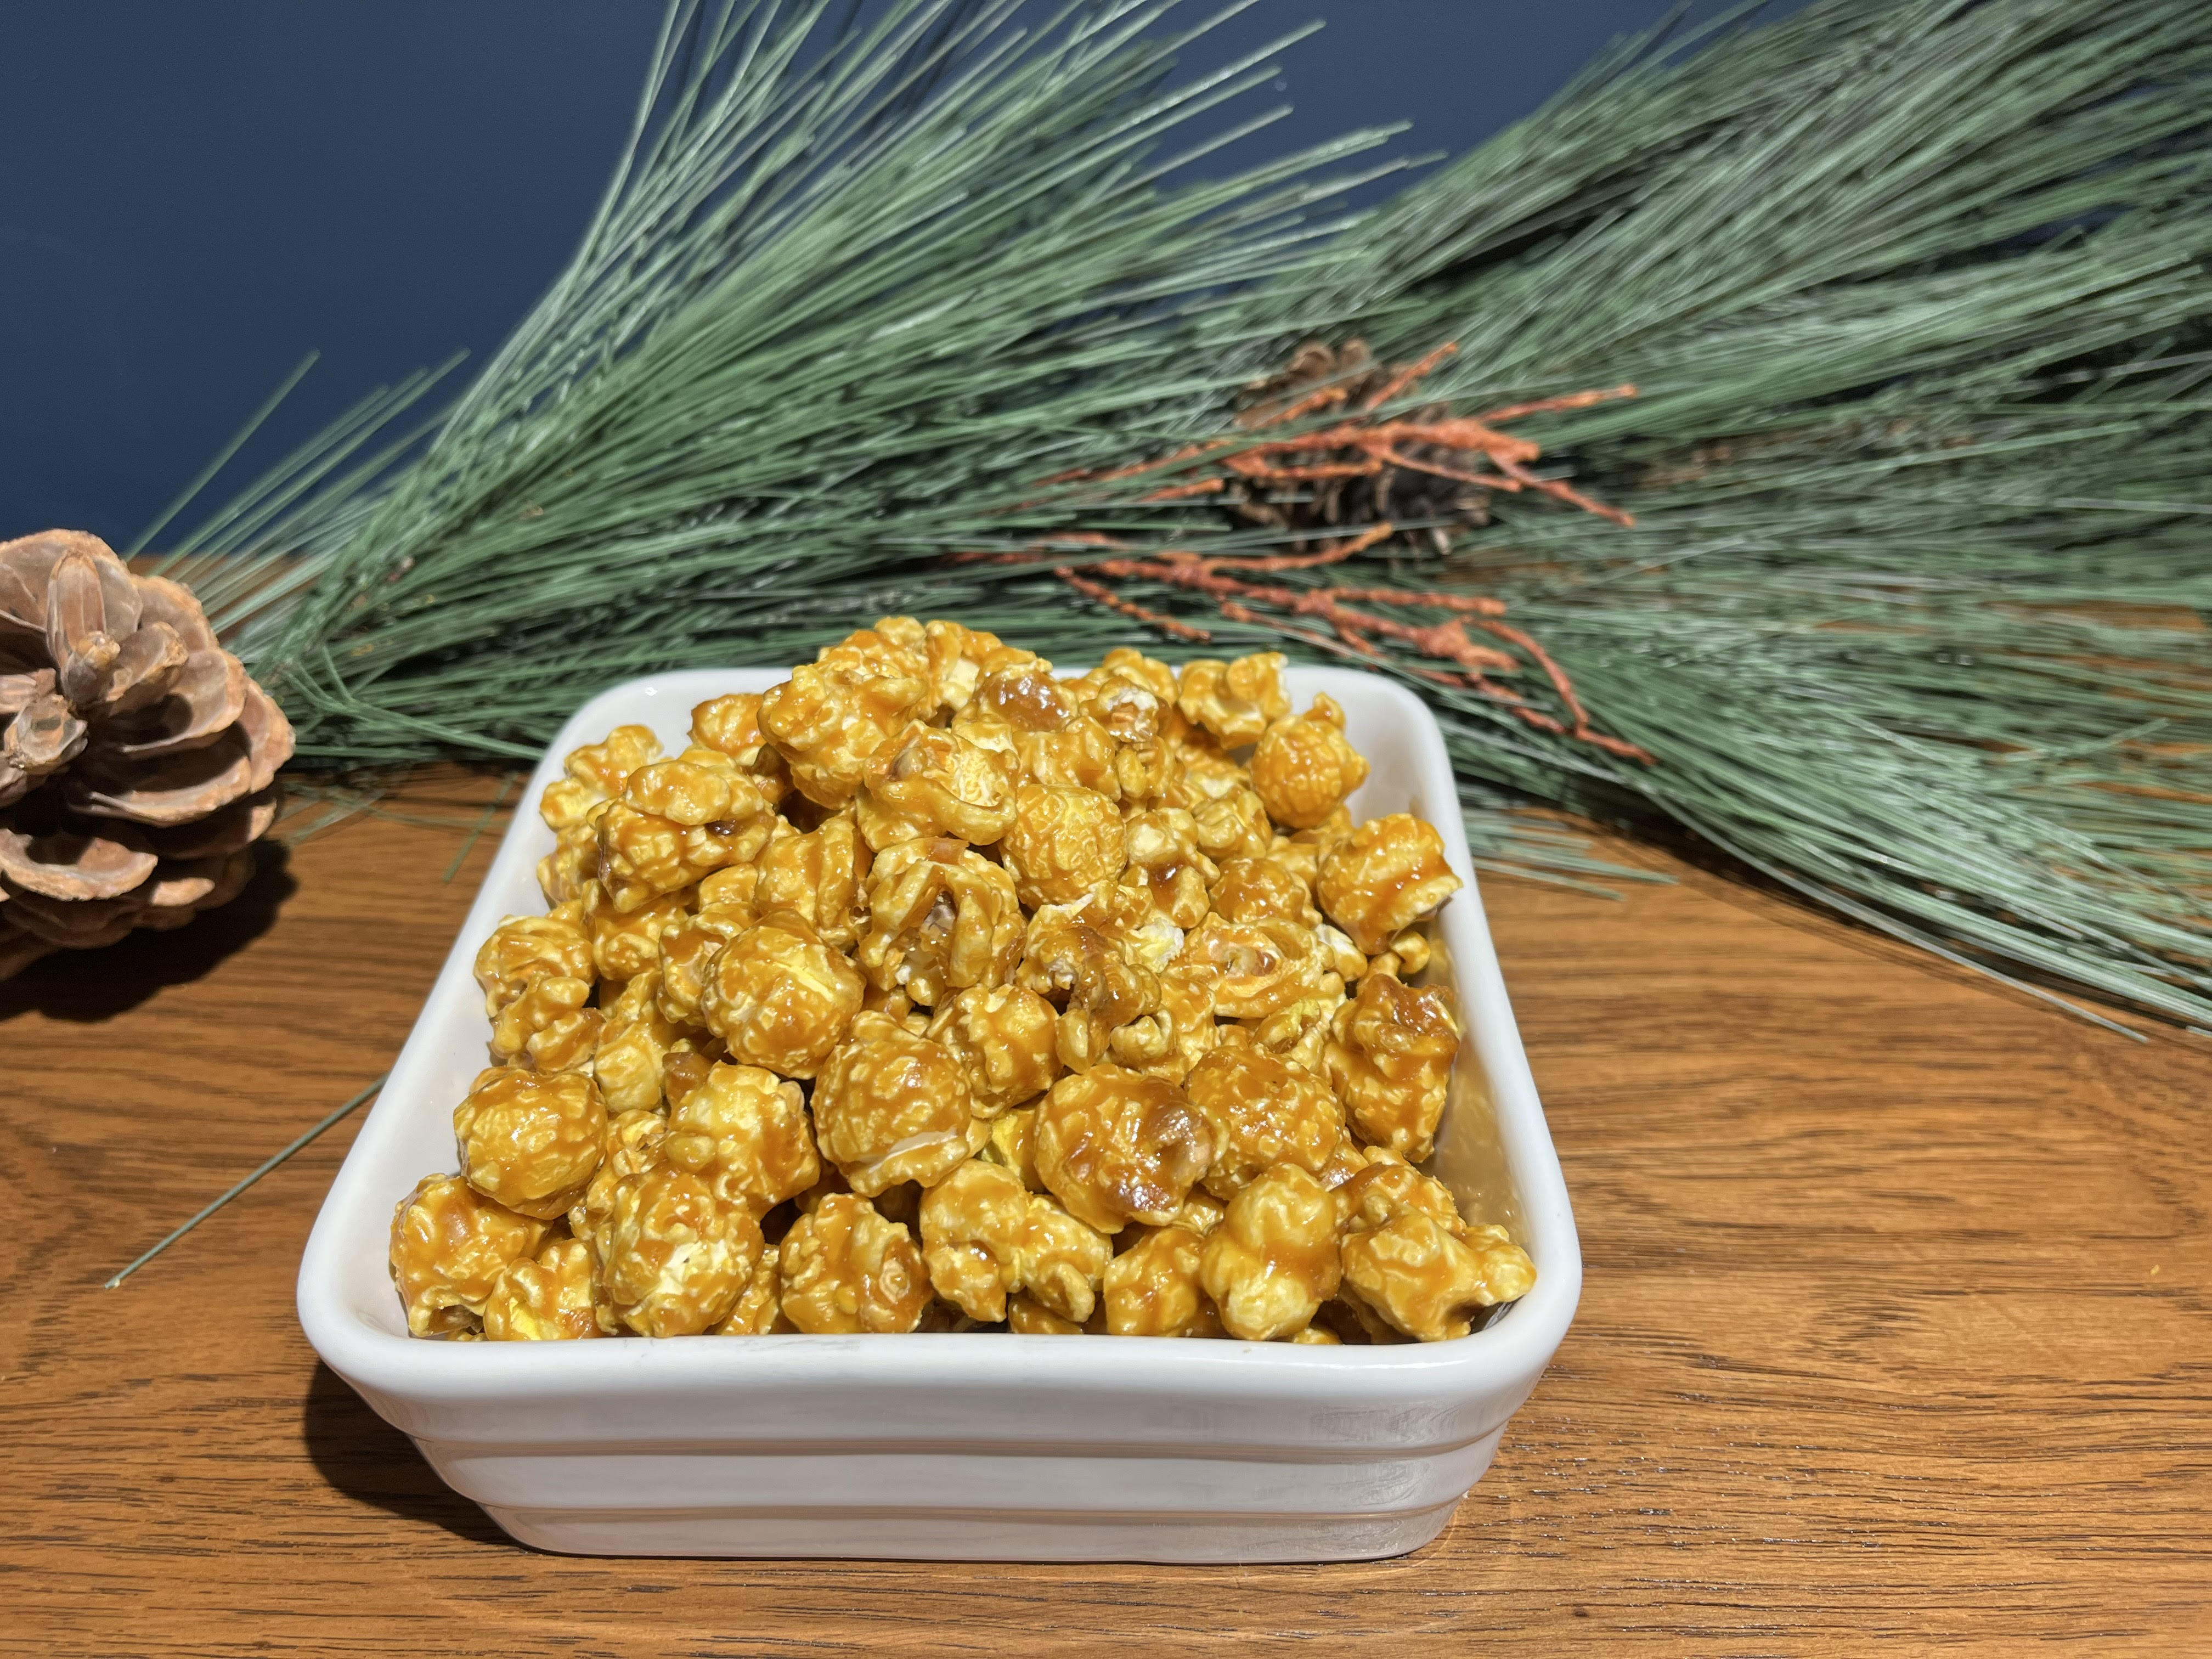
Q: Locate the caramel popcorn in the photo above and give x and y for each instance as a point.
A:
(891, 1106)
(780, 997)
(1237, 702)
(1423, 1280)
(631, 1147)
(1389, 873)
(940, 919)
(930, 781)
(1264, 966)
(449, 1246)
(1304, 766)
(1389, 1057)
(986, 1237)
(547, 1299)
(595, 775)
(1002, 998)
(745, 1131)
(674, 1258)
(1117, 1146)
(759, 1309)
(1003, 1039)
(523, 949)
(550, 1026)
(1273, 1261)
(1064, 841)
(531, 1141)
(833, 714)
(1262, 1112)
(1154, 1288)
(846, 1268)
(633, 1044)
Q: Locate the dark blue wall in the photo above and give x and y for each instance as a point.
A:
(193, 195)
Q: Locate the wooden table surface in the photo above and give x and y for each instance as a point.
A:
(1898, 1329)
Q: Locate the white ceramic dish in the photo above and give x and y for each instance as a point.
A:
(958, 1447)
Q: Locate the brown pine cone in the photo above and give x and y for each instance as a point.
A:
(138, 761)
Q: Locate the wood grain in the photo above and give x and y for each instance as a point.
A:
(1898, 1329)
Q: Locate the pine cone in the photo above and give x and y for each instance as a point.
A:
(138, 761)
(1395, 493)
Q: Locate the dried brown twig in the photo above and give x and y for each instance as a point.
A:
(1355, 448)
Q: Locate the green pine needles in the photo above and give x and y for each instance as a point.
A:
(1915, 293)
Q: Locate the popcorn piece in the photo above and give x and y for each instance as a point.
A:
(1153, 1288)
(548, 1299)
(631, 1147)
(1264, 966)
(550, 1027)
(731, 726)
(595, 774)
(891, 1107)
(1272, 1261)
(1063, 842)
(1115, 1147)
(1024, 714)
(1299, 1033)
(1422, 1279)
(674, 1258)
(1058, 1261)
(833, 714)
(931, 781)
(1173, 1037)
(573, 861)
(974, 1223)
(1263, 1113)
(1385, 877)
(846, 1269)
(1233, 825)
(1235, 701)
(1026, 1316)
(1013, 1144)
(1161, 846)
(449, 1246)
(687, 948)
(625, 943)
(816, 877)
(1304, 766)
(759, 1310)
(523, 949)
(940, 919)
(1262, 888)
(1381, 1192)
(1066, 958)
(1002, 1037)
(1319, 1336)
(531, 1141)
(960, 658)
(1408, 954)
(780, 997)
(744, 1131)
(677, 822)
(633, 1044)
(1390, 1057)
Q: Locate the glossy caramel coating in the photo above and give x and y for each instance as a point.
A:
(1154, 1288)
(449, 1246)
(891, 1107)
(674, 1258)
(781, 998)
(1063, 842)
(1273, 1261)
(1004, 1038)
(1263, 1112)
(1389, 1055)
(845, 1268)
(1115, 1147)
(531, 1141)
(1304, 766)
(1423, 1280)
(1387, 875)
(1235, 702)
(549, 1297)
(746, 1132)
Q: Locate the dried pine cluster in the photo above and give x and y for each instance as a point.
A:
(931, 991)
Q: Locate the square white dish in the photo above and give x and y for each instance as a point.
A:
(958, 1447)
